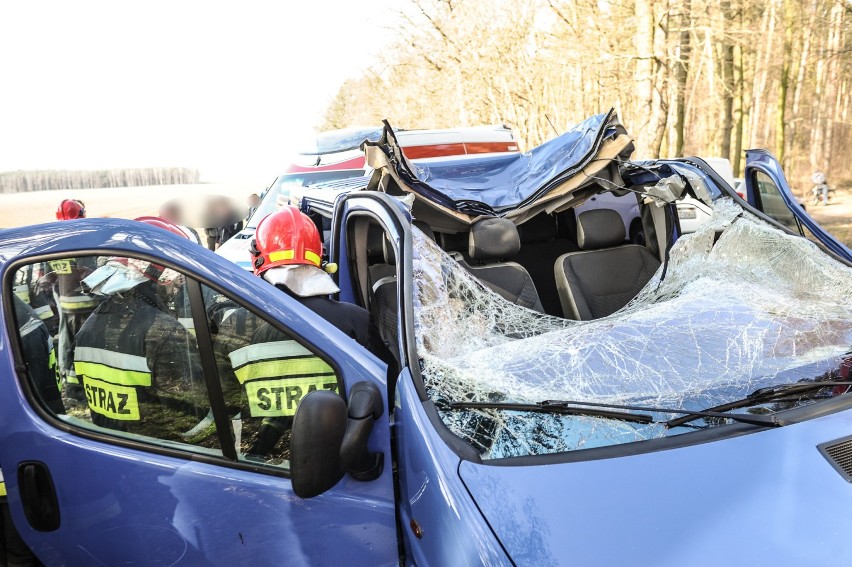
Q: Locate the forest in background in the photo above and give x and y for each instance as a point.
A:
(48, 180)
(687, 77)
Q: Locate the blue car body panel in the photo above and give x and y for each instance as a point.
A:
(762, 160)
(118, 502)
(769, 498)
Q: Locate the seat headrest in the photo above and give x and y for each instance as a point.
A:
(493, 238)
(599, 228)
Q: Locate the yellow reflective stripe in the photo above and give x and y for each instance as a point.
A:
(267, 351)
(77, 302)
(23, 292)
(275, 398)
(44, 312)
(286, 367)
(61, 266)
(281, 255)
(290, 254)
(113, 375)
(111, 358)
(109, 400)
(2, 489)
(51, 364)
(311, 257)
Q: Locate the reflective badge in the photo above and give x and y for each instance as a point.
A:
(111, 400)
(61, 266)
(272, 398)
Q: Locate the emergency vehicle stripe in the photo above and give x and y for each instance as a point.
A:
(44, 312)
(267, 351)
(272, 398)
(2, 484)
(114, 367)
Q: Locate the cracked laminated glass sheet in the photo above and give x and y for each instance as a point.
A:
(728, 318)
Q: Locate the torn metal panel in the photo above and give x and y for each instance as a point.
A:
(514, 186)
(756, 308)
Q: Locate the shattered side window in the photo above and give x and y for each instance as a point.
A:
(756, 308)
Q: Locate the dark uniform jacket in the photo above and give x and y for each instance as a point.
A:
(140, 368)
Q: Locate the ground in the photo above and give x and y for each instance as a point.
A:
(19, 209)
(836, 217)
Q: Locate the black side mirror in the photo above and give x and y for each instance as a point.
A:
(365, 406)
(315, 443)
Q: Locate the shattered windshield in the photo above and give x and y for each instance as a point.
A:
(755, 308)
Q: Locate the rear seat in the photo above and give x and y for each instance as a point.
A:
(490, 242)
(541, 245)
(606, 274)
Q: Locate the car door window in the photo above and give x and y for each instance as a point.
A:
(264, 372)
(771, 202)
(121, 362)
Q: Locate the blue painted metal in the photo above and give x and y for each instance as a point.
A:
(119, 503)
(762, 160)
(768, 498)
(496, 184)
(432, 494)
(751, 499)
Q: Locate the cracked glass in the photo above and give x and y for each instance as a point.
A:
(742, 306)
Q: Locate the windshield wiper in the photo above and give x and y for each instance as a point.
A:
(760, 395)
(570, 407)
(548, 407)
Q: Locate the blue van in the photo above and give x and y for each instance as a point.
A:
(559, 395)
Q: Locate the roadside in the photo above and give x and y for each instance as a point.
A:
(836, 217)
(20, 209)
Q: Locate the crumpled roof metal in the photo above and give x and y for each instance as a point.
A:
(515, 186)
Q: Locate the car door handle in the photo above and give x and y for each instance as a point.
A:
(38, 496)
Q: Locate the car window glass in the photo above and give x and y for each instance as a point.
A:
(110, 347)
(772, 203)
(264, 374)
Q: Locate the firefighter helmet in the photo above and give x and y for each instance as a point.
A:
(285, 237)
(70, 209)
(164, 224)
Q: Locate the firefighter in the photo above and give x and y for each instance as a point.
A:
(38, 353)
(63, 281)
(139, 367)
(276, 371)
(70, 209)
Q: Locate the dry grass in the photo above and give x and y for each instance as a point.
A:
(20, 209)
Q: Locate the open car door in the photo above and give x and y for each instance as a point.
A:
(768, 191)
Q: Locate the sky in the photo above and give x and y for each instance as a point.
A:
(229, 88)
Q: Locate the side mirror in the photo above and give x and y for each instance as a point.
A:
(365, 407)
(315, 442)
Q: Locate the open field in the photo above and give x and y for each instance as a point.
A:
(19, 209)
